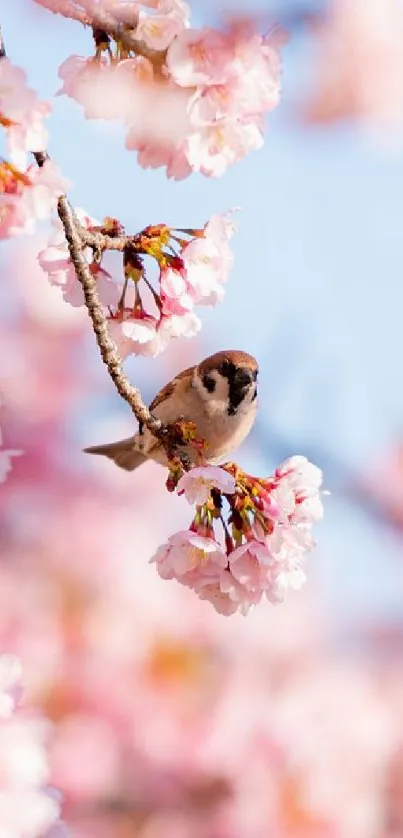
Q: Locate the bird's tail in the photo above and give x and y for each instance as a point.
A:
(123, 453)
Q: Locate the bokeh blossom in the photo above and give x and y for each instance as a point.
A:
(6, 458)
(28, 809)
(360, 67)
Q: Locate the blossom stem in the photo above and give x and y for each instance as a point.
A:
(228, 540)
(154, 293)
(121, 303)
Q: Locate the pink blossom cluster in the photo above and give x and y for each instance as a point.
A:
(269, 531)
(27, 194)
(28, 809)
(192, 100)
(232, 79)
(196, 276)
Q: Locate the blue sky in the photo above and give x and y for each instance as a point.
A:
(316, 292)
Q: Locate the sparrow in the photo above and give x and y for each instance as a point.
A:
(218, 395)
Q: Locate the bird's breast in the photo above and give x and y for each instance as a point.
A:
(221, 432)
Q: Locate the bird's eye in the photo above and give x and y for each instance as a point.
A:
(255, 375)
(224, 367)
(209, 383)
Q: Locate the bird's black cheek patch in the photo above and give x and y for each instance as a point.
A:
(236, 395)
(209, 383)
(254, 395)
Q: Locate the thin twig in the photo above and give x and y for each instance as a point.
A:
(102, 241)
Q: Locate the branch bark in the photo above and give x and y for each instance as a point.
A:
(106, 345)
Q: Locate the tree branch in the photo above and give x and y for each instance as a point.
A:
(172, 435)
(107, 347)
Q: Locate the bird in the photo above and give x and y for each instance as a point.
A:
(219, 395)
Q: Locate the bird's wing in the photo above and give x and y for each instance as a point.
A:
(182, 380)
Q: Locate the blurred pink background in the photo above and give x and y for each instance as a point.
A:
(169, 720)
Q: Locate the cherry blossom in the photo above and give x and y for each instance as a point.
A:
(208, 260)
(244, 597)
(267, 532)
(256, 571)
(197, 483)
(30, 135)
(200, 58)
(85, 80)
(216, 593)
(301, 478)
(175, 296)
(137, 335)
(16, 98)
(187, 551)
(24, 112)
(153, 155)
(236, 79)
(47, 186)
(147, 335)
(29, 197)
(211, 150)
(249, 563)
(159, 30)
(195, 102)
(55, 261)
(27, 194)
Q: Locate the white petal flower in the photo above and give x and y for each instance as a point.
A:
(198, 483)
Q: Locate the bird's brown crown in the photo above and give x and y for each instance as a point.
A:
(231, 356)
